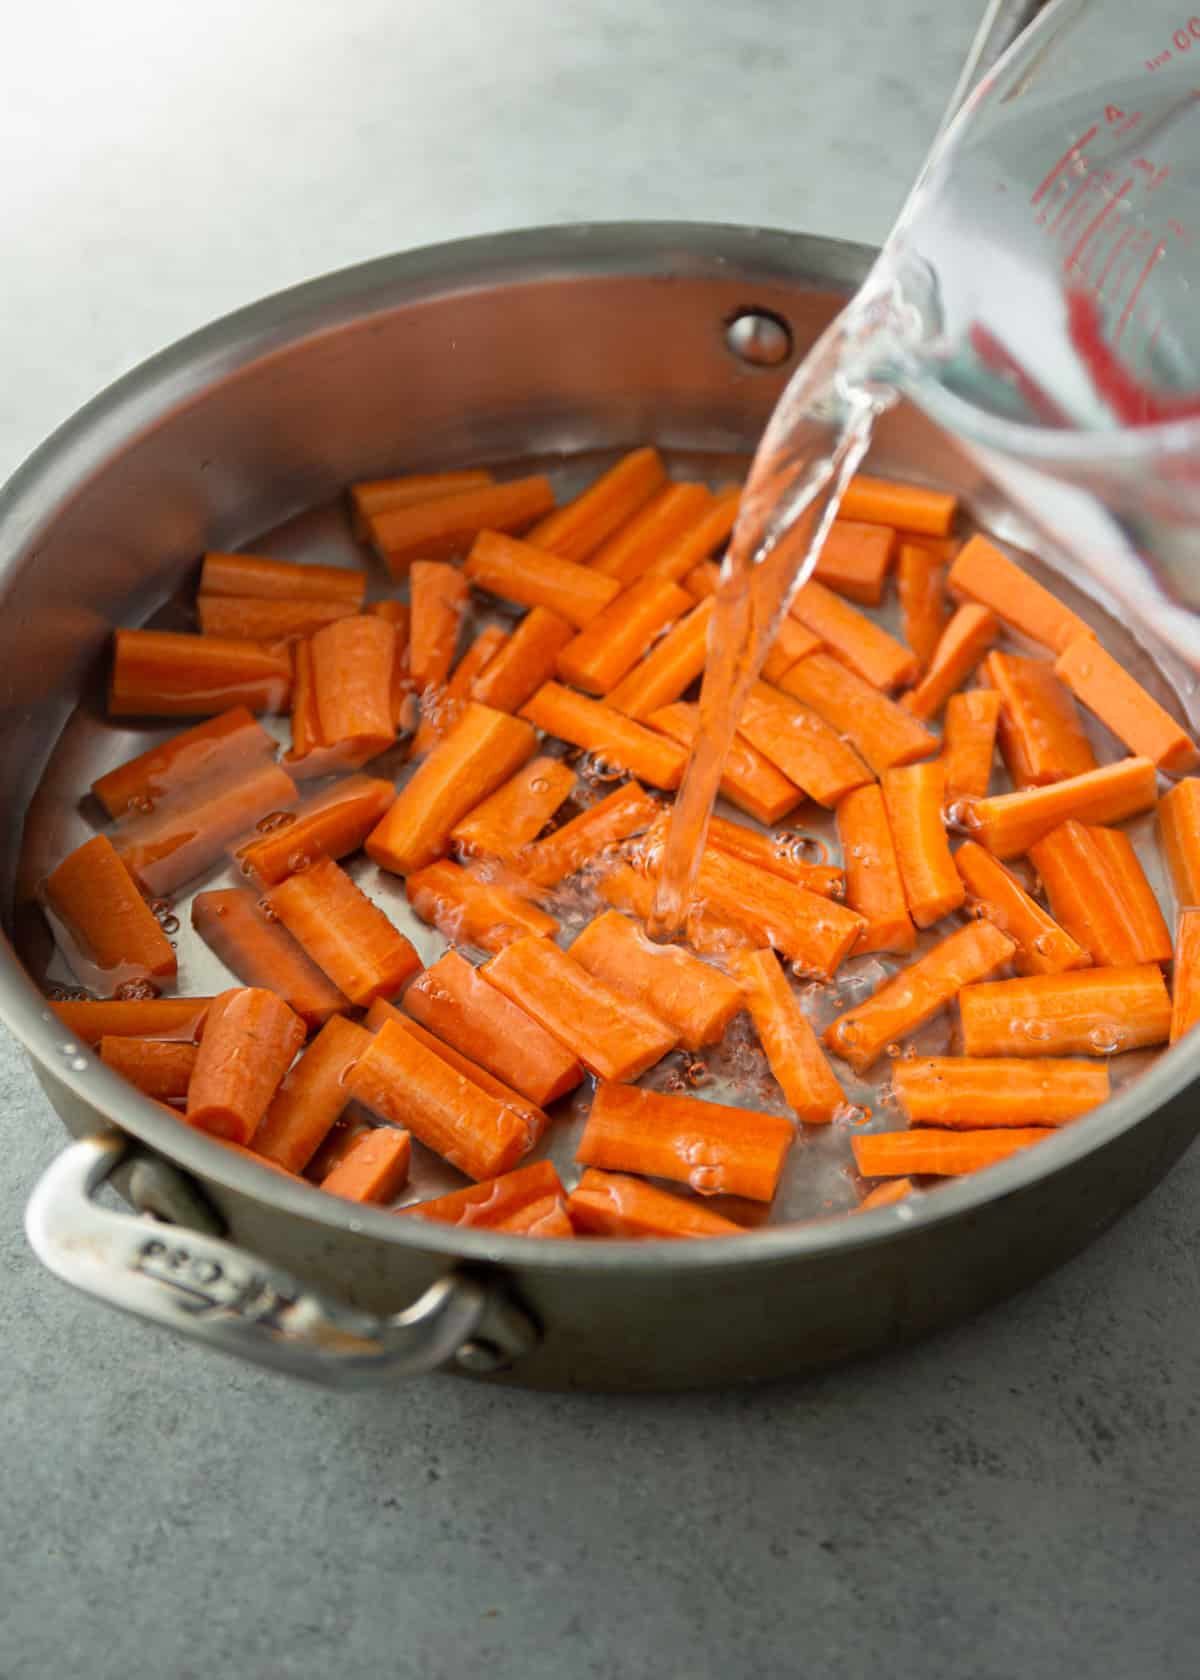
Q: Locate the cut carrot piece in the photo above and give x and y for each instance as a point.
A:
(242, 618)
(1042, 946)
(250, 1037)
(494, 1204)
(907, 507)
(921, 584)
(329, 824)
(792, 642)
(984, 574)
(396, 612)
(1010, 823)
(669, 514)
(372, 496)
(483, 749)
(693, 998)
(517, 571)
(307, 754)
(577, 530)
(1090, 1012)
(776, 853)
(886, 1195)
(969, 743)
(856, 640)
(468, 909)
(668, 669)
(252, 577)
(179, 1018)
(748, 780)
(789, 1043)
(916, 993)
(345, 934)
(937, 1154)
(160, 1068)
(399, 616)
(381, 1012)
(624, 888)
(702, 580)
(880, 730)
(352, 681)
(438, 597)
(802, 745)
(812, 932)
(616, 638)
(708, 533)
(624, 812)
(874, 886)
(374, 1169)
(968, 1093)
(855, 559)
(711, 1147)
(160, 673)
(942, 549)
(312, 1096)
(614, 1205)
(1179, 832)
(186, 836)
(516, 813)
(224, 745)
(343, 1135)
(597, 728)
(1098, 891)
(915, 795)
(112, 927)
(441, 711)
(1185, 982)
(452, 1000)
(527, 660)
(1041, 733)
(1122, 705)
(261, 953)
(409, 1084)
(961, 646)
(448, 525)
(612, 1036)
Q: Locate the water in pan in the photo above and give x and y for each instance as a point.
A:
(817, 1180)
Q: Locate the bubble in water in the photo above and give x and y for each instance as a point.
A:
(850, 1114)
(952, 814)
(1105, 1039)
(893, 1050)
(79, 1064)
(274, 820)
(539, 784)
(160, 907)
(706, 1181)
(141, 804)
(794, 847)
(849, 1033)
(696, 1074)
(267, 910)
(970, 820)
(1044, 944)
(70, 1048)
(903, 1212)
(68, 994)
(170, 924)
(136, 991)
(297, 862)
(1037, 1031)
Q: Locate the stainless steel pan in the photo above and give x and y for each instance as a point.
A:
(540, 344)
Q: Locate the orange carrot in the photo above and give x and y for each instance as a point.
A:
(373, 496)
(669, 514)
(344, 933)
(983, 573)
(224, 745)
(517, 571)
(683, 555)
(1042, 946)
(939, 1154)
(396, 612)
(1185, 983)
(1123, 705)
(748, 780)
(1090, 1012)
(250, 1037)
(252, 577)
(711, 1147)
(668, 669)
(916, 993)
(524, 663)
(112, 927)
(792, 642)
(328, 824)
(1040, 730)
(1099, 892)
(970, 1093)
(399, 615)
(374, 1169)
(915, 795)
(880, 730)
(697, 1001)
(616, 638)
(874, 886)
(813, 933)
(448, 525)
(159, 1068)
(789, 1043)
(508, 819)
(598, 729)
(381, 1012)
(307, 753)
(498, 1204)
(624, 812)
(440, 711)
(438, 597)
(961, 646)
(343, 1135)
(312, 1096)
(452, 1000)
(612, 1036)
(576, 531)
(1010, 823)
(160, 673)
(941, 549)
(776, 853)
(802, 745)
(885, 1195)
(482, 750)
(969, 743)
(186, 836)
(615, 1205)
(468, 909)
(624, 888)
(1179, 833)
(263, 954)
(179, 1018)
(855, 560)
(856, 640)
(243, 618)
(702, 580)
(352, 680)
(921, 584)
(907, 507)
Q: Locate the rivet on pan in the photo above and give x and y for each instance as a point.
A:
(480, 1357)
(759, 338)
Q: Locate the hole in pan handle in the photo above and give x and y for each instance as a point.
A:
(220, 1295)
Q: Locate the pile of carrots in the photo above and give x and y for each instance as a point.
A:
(337, 1047)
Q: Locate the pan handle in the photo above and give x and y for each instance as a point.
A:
(226, 1298)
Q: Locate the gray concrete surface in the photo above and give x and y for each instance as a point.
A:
(1018, 1497)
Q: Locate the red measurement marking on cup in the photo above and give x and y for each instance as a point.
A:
(1148, 267)
(1096, 223)
(1183, 40)
(1084, 186)
(1118, 247)
(1072, 152)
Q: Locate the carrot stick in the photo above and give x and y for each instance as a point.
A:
(372, 496)
(907, 507)
(874, 886)
(250, 1037)
(969, 743)
(970, 1093)
(186, 836)
(381, 1012)
(669, 514)
(802, 745)
(1042, 946)
(934, 1153)
(856, 640)
(440, 712)
(159, 1068)
(93, 895)
(1179, 834)
(693, 998)
(813, 933)
(1010, 823)
(624, 812)
(224, 745)
(312, 1096)
(399, 616)
(625, 889)
(243, 618)
(179, 1018)
(576, 531)
(407, 1083)
(789, 1043)
(702, 580)
(983, 573)
(252, 577)
(1099, 892)
(1090, 1012)
(261, 953)
(615, 1205)
(352, 680)
(517, 571)
(961, 646)
(921, 584)
(343, 1135)
(468, 909)
(885, 1195)
(452, 1000)
(1135, 717)
(1185, 984)
(1040, 730)
(612, 1036)
(448, 525)
(792, 642)
(915, 796)
(597, 728)
(941, 549)
(710, 530)
(748, 780)
(776, 853)
(494, 1204)
(916, 993)
(345, 934)
(307, 745)
(482, 750)
(708, 1146)
(527, 660)
(668, 669)
(508, 819)
(159, 673)
(327, 824)
(616, 638)
(880, 730)
(396, 612)
(855, 560)
(375, 1168)
(438, 595)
